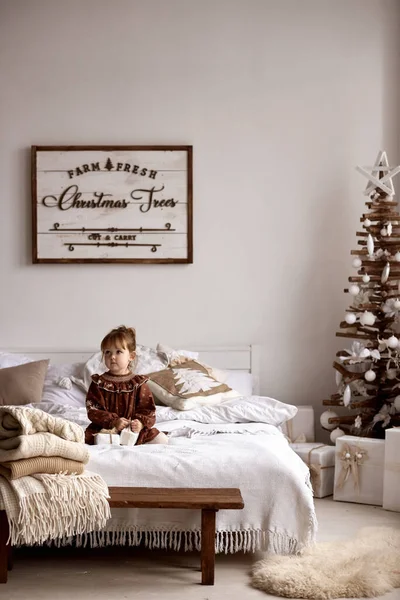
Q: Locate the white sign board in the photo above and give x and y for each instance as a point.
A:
(125, 204)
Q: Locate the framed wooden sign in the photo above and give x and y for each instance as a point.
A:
(122, 204)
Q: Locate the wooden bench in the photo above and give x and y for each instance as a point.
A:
(208, 500)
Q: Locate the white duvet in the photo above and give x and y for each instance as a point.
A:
(240, 448)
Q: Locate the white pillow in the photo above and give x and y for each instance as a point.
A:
(147, 360)
(57, 387)
(171, 355)
(8, 359)
(241, 381)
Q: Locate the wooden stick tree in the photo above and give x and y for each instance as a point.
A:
(368, 370)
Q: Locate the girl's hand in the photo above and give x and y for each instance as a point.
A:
(136, 426)
(121, 424)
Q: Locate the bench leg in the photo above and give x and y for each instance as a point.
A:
(5, 549)
(207, 546)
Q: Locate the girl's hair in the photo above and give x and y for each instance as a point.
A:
(125, 336)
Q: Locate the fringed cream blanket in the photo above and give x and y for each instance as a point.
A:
(43, 507)
(24, 420)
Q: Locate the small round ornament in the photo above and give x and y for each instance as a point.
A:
(357, 262)
(328, 414)
(335, 434)
(396, 304)
(383, 232)
(370, 375)
(391, 374)
(366, 278)
(354, 290)
(367, 223)
(392, 342)
(397, 257)
(350, 318)
(367, 318)
(365, 353)
(396, 403)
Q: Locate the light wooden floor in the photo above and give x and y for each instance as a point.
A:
(114, 573)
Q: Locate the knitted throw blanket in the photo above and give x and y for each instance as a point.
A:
(40, 464)
(45, 507)
(23, 420)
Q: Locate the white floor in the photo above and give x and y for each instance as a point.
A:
(118, 573)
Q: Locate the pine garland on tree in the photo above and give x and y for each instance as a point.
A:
(368, 372)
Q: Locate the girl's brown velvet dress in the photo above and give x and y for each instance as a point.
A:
(111, 397)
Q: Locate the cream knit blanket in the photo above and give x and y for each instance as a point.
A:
(42, 444)
(24, 420)
(45, 507)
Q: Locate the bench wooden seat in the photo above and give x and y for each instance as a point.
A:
(208, 500)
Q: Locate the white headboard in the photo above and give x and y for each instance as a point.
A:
(240, 358)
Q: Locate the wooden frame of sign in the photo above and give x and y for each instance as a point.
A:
(112, 204)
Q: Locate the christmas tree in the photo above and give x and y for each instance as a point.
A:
(368, 369)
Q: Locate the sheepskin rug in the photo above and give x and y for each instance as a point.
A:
(362, 567)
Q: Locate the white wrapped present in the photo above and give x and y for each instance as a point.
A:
(128, 437)
(320, 459)
(301, 428)
(359, 467)
(107, 438)
(391, 476)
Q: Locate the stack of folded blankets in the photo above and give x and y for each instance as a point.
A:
(44, 488)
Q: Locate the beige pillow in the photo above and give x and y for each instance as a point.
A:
(184, 386)
(22, 384)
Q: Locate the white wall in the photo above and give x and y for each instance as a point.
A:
(280, 99)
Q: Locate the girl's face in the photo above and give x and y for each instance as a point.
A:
(117, 359)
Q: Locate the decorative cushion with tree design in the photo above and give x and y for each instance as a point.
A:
(186, 385)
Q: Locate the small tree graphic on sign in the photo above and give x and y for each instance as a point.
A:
(109, 165)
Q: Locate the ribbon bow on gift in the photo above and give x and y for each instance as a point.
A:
(351, 458)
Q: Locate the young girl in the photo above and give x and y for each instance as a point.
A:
(118, 398)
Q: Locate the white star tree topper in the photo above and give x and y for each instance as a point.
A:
(384, 183)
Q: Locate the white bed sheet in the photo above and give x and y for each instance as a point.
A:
(279, 513)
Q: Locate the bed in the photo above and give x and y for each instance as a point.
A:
(237, 442)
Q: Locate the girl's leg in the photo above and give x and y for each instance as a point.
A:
(161, 438)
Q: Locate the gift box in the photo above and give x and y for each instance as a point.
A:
(128, 438)
(301, 427)
(391, 475)
(107, 438)
(359, 466)
(320, 459)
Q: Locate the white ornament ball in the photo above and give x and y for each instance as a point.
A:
(392, 342)
(335, 434)
(350, 318)
(357, 262)
(328, 414)
(367, 318)
(391, 374)
(397, 256)
(365, 353)
(367, 223)
(338, 378)
(396, 304)
(396, 403)
(354, 290)
(384, 231)
(366, 278)
(370, 375)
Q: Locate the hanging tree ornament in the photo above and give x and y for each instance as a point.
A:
(338, 378)
(366, 278)
(370, 375)
(397, 257)
(392, 342)
(367, 223)
(384, 232)
(370, 244)
(389, 229)
(324, 419)
(367, 318)
(375, 181)
(385, 273)
(347, 395)
(354, 290)
(335, 434)
(357, 262)
(396, 304)
(350, 318)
